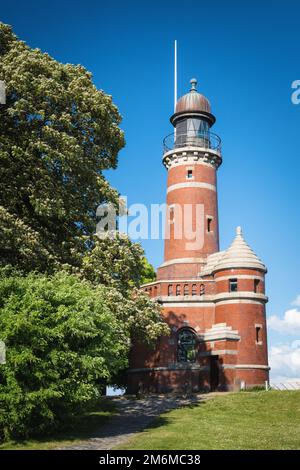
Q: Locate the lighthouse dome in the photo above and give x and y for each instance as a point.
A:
(193, 101)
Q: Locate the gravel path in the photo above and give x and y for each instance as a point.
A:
(133, 416)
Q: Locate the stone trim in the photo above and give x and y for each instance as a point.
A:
(188, 304)
(238, 276)
(197, 367)
(240, 295)
(169, 368)
(183, 261)
(220, 332)
(252, 366)
(218, 352)
(240, 301)
(178, 281)
(192, 184)
(189, 155)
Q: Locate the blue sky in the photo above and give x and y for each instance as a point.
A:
(245, 56)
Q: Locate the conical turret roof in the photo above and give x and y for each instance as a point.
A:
(239, 255)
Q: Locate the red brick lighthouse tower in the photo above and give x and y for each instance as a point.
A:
(214, 301)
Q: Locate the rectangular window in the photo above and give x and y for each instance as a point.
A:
(258, 334)
(194, 289)
(186, 289)
(233, 285)
(256, 285)
(189, 174)
(170, 289)
(178, 289)
(209, 223)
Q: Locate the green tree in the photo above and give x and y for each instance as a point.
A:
(58, 133)
(63, 340)
(117, 262)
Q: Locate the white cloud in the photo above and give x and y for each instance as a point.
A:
(284, 360)
(296, 302)
(289, 324)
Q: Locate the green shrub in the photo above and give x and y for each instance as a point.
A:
(63, 340)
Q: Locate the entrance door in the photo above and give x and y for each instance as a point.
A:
(214, 373)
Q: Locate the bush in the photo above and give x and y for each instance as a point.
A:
(63, 341)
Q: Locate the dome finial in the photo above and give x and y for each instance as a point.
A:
(239, 230)
(193, 83)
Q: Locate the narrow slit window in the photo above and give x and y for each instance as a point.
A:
(233, 285)
(258, 334)
(256, 285)
(189, 174)
(171, 214)
(178, 289)
(209, 224)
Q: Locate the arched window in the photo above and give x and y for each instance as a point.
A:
(186, 346)
(202, 289)
(178, 289)
(170, 289)
(186, 289)
(194, 289)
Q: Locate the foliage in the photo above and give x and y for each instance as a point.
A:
(86, 423)
(148, 272)
(67, 334)
(63, 341)
(114, 261)
(58, 133)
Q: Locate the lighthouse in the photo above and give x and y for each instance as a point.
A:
(214, 301)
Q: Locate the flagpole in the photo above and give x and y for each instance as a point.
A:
(175, 74)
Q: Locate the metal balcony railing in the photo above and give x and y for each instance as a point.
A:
(206, 140)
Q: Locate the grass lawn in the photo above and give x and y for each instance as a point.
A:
(84, 427)
(244, 420)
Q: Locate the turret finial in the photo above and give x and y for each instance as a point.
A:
(193, 83)
(239, 230)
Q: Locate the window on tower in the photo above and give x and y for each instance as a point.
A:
(186, 346)
(178, 289)
(189, 174)
(233, 285)
(186, 289)
(170, 289)
(256, 285)
(209, 224)
(202, 289)
(258, 337)
(194, 289)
